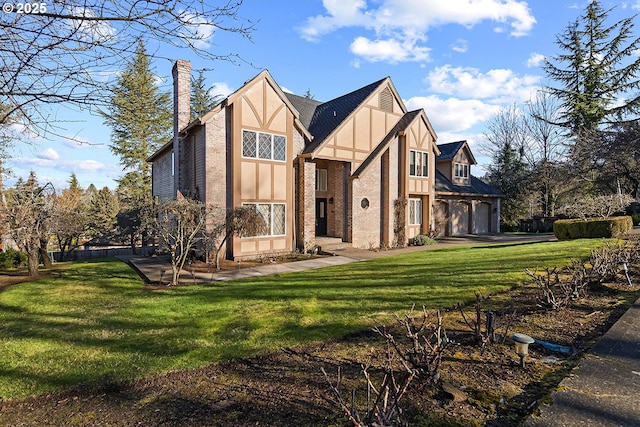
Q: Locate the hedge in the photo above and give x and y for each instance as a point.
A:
(565, 229)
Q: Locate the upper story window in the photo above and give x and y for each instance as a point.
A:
(461, 170)
(418, 163)
(261, 145)
(321, 180)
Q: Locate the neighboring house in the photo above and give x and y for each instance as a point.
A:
(469, 205)
(359, 167)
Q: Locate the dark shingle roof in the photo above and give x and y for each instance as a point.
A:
(329, 115)
(476, 186)
(402, 124)
(449, 150)
(305, 106)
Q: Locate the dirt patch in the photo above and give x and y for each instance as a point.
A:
(287, 388)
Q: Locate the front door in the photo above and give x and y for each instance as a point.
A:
(321, 217)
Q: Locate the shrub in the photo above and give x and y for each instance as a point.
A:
(635, 218)
(12, 259)
(422, 240)
(565, 229)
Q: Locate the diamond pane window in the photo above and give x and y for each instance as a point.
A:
(279, 148)
(264, 146)
(248, 144)
(279, 220)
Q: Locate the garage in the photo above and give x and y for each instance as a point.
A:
(460, 215)
(483, 218)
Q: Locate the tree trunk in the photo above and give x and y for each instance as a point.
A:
(175, 275)
(33, 257)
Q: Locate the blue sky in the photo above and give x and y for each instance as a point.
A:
(460, 60)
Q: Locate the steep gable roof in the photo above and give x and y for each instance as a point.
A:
(305, 106)
(329, 115)
(402, 124)
(448, 151)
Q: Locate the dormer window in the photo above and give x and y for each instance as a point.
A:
(461, 170)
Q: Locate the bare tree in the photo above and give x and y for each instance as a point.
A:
(242, 221)
(64, 52)
(547, 151)
(27, 209)
(180, 224)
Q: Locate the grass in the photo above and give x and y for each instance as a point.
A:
(97, 324)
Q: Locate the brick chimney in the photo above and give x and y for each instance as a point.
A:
(181, 112)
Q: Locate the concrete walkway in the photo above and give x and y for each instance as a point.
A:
(158, 269)
(603, 390)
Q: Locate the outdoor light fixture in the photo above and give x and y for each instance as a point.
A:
(522, 346)
(625, 269)
(193, 275)
(162, 274)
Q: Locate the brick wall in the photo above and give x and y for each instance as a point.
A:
(367, 221)
(181, 111)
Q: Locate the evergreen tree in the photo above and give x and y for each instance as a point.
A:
(139, 115)
(103, 210)
(201, 99)
(598, 66)
(508, 173)
(141, 122)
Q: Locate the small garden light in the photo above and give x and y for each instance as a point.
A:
(625, 269)
(522, 345)
(161, 275)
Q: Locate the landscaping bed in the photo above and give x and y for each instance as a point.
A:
(287, 387)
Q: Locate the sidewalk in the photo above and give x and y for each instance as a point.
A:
(604, 389)
(152, 268)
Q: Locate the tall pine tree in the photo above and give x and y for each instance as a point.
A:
(201, 99)
(140, 119)
(597, 67)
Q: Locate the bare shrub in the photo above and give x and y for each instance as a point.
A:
(418, 360)
(556, 290)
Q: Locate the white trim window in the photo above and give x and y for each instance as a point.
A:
(418, 163)
(321, 180)
(261, 145)
(461, 170)
(415, 211)
(274, 215)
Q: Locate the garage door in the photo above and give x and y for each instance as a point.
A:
(460, 219)
(483, 218)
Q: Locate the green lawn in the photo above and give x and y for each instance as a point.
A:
(96, 323)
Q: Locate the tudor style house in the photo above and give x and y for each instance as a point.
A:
(359, 167)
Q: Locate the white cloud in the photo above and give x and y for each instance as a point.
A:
(48, 154)
(403, 24)
(220, 89)
(460, 46)
(198, 29)
(62, 165)
(391, 50)
(452, 114)
(499, 85)
(89, 30)
(535, 60)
